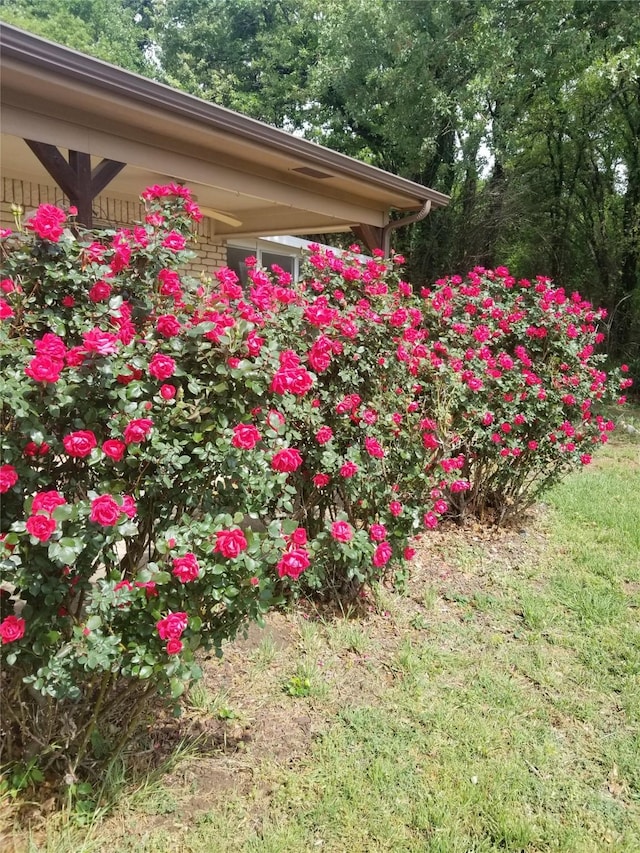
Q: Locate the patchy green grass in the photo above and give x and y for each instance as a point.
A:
(493, 707)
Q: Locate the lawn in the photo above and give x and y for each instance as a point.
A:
(492, 704)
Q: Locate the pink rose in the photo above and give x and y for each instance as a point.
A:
(172, 626)
(230, 543)
(47, 222)
(321, 480)
(373, 448)
(114, 448)
(245, 436)
(100, 291)
(168, 325)
(293, 563)
(186, 568)
(167, 392)
(395, 508)
(8, 478)
(288, 459)
(299, 536)
(162, 366)
(382, 554)
(47, 501)
(377, 532)
(431, 520)
(51, 345)
(43, 368)
(341, 531)
(409, 553)
(174, 646)
(12, 629)
(324, 434)
(102, 343)
(137, 430)
(174, 242)
(129, 506)
(40, 526)
(80, 443)
(105, 511)
(348, 469)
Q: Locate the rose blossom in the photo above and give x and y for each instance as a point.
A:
(287, 459)
(80, 443)
(43, 368)
(161, 366)
(172, 626)
(168, 325)
(230, 543)
(395, 508)
(129, 506)
(299, 536)
(47, 501)
(293, 563)
(245, 436)
(174, 242)
(377, 532)
(32, 449)
(105, 511)
(186, 568)
(324, 434)
(167, 392)
(373, 448)
(12, 629)
(8, 478)
(102, 343)
(174, 646)
(341, 531)
(40, 526)
(100, 291)
(348, 469)
(321, 480)
(114, 448)
(382, 554)
(47, 222)
(137, 430)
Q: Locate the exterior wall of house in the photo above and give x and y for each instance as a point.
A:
(211, 251)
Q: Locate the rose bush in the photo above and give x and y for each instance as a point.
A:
(143, 521)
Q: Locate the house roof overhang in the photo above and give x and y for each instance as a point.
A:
(270, 180)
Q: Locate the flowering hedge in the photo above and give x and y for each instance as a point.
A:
(171, 464)
(179, 454)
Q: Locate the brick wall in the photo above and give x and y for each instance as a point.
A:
(211, 251)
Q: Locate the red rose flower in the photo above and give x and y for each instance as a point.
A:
(174, 242)
(47, 501)
(321, 480)
(382, 554)
(324, 434)
(299, 536)
(114, 448)
(174, 646)
(12, 629)
(105, 511)
(79, 443)
(348, 469)
(230, 543)
(168, 325)
(32, 449)
(100, 291)
(43, 368)
(341, 531)
(47, 222)
(8, 478)
(102, 343)
(245, 436)
(293, 563)
(129, 507)
(378, 532)
(167, 392)
(186, 568)
(373, 448)
(137, 430)
(288, 459)
(162, 366)
(40, 526)
(172, 626)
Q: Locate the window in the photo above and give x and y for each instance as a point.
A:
(266, 256)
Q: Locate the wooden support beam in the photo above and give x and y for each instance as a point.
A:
(77, 180)
(370, 235)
